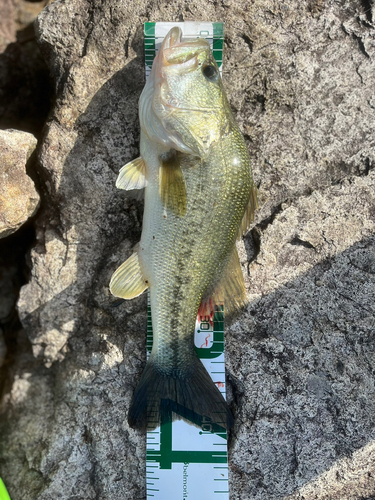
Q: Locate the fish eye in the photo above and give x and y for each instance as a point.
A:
(209, 71)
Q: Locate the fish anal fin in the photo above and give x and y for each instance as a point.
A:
(230, 289)
(128, 281)
(132, 175)
(249, 212)
(172, 184)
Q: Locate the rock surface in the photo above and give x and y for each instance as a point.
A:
(301, 358)
(3, 348)
(24, 78)
(300, 77)
(18, 197)
(7, 26)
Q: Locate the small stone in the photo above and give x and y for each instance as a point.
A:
(18, 197)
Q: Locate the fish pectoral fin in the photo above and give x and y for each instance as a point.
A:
(172, 184)
(132, 175)
(230, 289)
(249, 212)
(128, 281)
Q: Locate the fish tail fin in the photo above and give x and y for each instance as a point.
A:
(183, 394)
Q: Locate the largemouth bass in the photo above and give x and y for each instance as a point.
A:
(199, 197)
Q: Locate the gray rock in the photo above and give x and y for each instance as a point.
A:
(300, 358)
(7, 25)
(8, 288)
(3, 348)
(18, 197)
(24, 79)
(25, 12)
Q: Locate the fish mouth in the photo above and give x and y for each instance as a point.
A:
(159, 104)
(172, 38)
(179, 53)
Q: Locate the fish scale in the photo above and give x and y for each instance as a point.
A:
(196, 172)
(199, 198)
(200, 218)
(167, 478)
(184, 461)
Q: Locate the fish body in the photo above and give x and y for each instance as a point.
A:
(199, 194)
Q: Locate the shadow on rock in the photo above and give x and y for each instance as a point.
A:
(25, 89)
(301, 371)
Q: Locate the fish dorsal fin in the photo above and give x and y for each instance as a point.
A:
(128, 281)
(172, 183)
(249, 212)
(132, 175)
(230, 289)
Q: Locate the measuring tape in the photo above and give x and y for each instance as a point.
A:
(156, 32)
(184, 461)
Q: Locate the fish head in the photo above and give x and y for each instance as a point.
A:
(183, 105)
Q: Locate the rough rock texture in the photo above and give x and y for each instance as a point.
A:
(303, 378)
(24, 105)
(13, 274)
(18, 197)
(24, 79)
(3, 348)
(7, 28)
(301, 78)
(17, 15)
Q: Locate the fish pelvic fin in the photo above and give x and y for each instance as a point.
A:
(172, 184)
(230, 289)
(128, 281)
(249, 212)
(189, 394)
(132, 175)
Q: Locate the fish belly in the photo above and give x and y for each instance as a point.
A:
(181, 257)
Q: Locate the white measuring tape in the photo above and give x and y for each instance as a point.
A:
(184, 461)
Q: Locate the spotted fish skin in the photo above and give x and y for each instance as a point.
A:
(199, 195)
